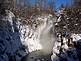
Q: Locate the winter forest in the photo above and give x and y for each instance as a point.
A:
(40, 30)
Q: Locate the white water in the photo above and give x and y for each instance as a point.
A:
(43, 44)
(36, 40)
(46, 38)
(41, 38)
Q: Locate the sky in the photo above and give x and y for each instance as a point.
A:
(58, 3)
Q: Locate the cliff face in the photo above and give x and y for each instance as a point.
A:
(35, 39)
(67, 46)
(19, 37)
(39, 37)
(11, 47)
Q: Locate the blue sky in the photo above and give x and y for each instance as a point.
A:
(58, 3)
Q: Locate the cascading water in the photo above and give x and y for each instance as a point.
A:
(35, 38)
(46, 38)
(18, 38)
(41, 42)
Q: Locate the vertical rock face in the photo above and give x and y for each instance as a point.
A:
(67, 46)
(39, 37)
(11, 48)
(18, 37)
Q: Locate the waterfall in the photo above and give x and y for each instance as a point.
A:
(42, 39)
(46, 38)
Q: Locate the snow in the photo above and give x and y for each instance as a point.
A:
(76, 37)
(61, 50)
(10, 43)
(33, 37)
(18, 39)
(59, 19)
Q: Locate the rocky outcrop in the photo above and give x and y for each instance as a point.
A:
(67, 45)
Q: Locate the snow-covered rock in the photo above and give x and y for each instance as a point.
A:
(11, 47)
(66, 52)
(76, 37)
(18, 38)
(36, 36)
